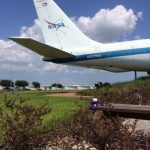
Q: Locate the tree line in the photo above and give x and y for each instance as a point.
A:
(22, 84)
(7, 84)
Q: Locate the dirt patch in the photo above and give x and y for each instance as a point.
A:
(67, 95)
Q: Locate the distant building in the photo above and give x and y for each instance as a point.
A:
(47, 87)
(1, 88)
(67, 87)
(42, 87)
(78, 87)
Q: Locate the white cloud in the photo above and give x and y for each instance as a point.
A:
(109, 24)
(140, 15)
(137, 37)
(34, 31)
(6, 44)
(54, 67)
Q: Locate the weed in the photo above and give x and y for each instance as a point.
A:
(18, 123)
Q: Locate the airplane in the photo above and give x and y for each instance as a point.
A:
(66, 44)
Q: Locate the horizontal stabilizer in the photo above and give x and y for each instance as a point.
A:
(40, 48)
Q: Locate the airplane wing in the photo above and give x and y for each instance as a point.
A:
(40, 48)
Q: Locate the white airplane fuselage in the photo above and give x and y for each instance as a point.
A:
(114, 57)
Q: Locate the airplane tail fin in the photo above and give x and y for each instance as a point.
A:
(58, 29)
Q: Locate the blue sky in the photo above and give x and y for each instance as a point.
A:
(16, 14)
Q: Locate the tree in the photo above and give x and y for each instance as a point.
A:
(21, 83)
(60, 86)
(54, 85)
(98, 85)
(36, 85)
(6, 83)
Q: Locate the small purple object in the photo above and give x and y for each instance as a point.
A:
(94, 104)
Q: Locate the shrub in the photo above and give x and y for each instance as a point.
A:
(18, 122)
(103, 132)
(121, 95)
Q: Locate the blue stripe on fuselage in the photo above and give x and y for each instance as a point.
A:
(101, 55)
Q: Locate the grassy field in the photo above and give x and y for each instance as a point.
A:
(62, 108)
(131, 84)
(118, 86)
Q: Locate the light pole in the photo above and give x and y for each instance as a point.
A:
(11, 76)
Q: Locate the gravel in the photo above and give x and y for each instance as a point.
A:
(68, 143)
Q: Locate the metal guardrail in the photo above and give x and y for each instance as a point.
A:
(126, 110)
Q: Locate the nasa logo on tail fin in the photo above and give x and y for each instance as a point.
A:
(57, 25)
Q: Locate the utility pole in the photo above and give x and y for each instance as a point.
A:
(11, 77)
(135, 75)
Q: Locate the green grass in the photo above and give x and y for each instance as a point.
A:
(131, 84)
(62, 108)
(117, 86)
